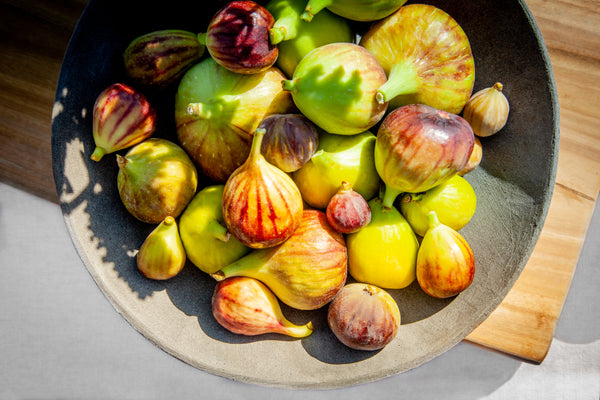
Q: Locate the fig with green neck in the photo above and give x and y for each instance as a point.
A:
(357, 10)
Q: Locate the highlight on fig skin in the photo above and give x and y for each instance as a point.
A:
(347, 211)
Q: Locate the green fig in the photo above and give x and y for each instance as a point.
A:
(156, 179)
(454, 202)
(208, 243)
(162, 255)
(339, 158)
(383, 253)
(306, 271)
(335, 85)
(357, 10)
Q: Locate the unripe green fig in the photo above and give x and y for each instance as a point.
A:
(335, 85)
(156, 179)
(162, 255)
(357, 10)
(383, 253)
(339, 158)
(208, 243)
(454, 201)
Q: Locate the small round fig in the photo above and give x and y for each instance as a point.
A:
(290, 140)
(364, 317)
(347, 211)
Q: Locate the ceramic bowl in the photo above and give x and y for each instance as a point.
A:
(513, 183)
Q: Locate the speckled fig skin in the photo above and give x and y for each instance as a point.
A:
(347, 211)
(238, 38)
(364, 317)
(246, 306)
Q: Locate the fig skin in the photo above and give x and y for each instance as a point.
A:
(162, 255)
(156, 179)
(357, 10)
(364, 317)
(474, 159)
(348, 211)
(122, 117)
(246, 306)
(306, 271)
(238, 38)
(419, 147)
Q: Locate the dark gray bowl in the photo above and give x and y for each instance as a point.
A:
(514, 185)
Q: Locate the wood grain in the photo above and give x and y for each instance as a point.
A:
(33, 38)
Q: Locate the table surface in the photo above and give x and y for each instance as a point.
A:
(50, 342)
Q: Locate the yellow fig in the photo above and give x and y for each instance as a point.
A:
(162, 255)
(487, 111)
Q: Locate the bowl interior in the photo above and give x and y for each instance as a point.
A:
(513, 183)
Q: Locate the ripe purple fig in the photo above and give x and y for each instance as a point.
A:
(238, 37)
(364, 317)
(419, 147)
(246, 306)
(122, 117)
(347, 211)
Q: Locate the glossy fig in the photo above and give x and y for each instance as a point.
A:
(445, 263)
(162, 255)
(364, 317)
(238, 38)
(418, 147)
(159, 58)
(306, 271)
(357, 10)
(347, 211)
(246, 306)
(122, 117)
(156, 179)
(262, 206)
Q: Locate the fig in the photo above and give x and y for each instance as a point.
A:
(295, 37)
(419, 147)
(347, 211)
(290, 140)
(339, 158)
(238, 38)
(162, 255)
(262, 206)
(454, 202)
(487, 111)
(474, 158)
(156, 179)
(335, 85)
(215, 121)
(122, 117)
(357, 10)
(246, 306)
(383, 253)
(159, 58)
(304, 272)
(364, 317)
(445, 263)
(207, 242)
(426, 56)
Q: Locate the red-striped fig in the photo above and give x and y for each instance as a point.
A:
(262, 205)
(238, 38)
(306, 271)
(347, 211)
(419, 147)
(161, 57)
(246, 306)
(122, 117)
(162, 255)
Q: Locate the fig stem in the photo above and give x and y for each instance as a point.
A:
(389, 196)
(498, 86)
(289, 85)
(98, 153)
(204, 110)
(202, 38)
(402, 79)
(313, 7)
(432, 219)
(277, 35)
(218, 231)
(298, 331)
(255, 150)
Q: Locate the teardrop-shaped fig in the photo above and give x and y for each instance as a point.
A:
(335, 85)
(487, 110)
(215, 121)
(364, 317)
(357, 10)
(122, 117)
(262, 205)
(161, 57)
(306, 271)
(238, 38)
(418, 147)
(156, 179)
(426, 56)
(290, 140)
(348, 211)
(162, 255)
(445, 263)
(247, 307)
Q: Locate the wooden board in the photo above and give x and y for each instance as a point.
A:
(34, 35)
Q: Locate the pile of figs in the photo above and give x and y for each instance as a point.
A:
(330, 135)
